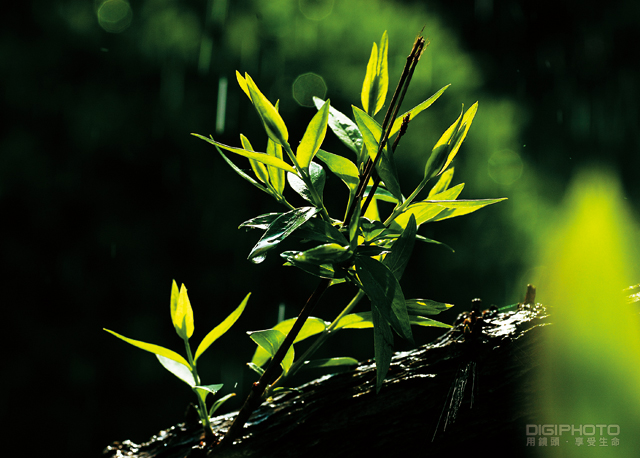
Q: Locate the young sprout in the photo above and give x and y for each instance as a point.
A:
(186, 369)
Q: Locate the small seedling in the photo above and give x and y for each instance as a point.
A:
(186, 369)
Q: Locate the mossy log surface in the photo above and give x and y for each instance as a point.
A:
(491, 377)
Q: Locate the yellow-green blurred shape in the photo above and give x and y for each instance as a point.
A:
(115, 15)
(591, 363)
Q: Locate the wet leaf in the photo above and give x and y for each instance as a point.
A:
(343, 127)
(318, 178)
(280, 229)
(260, 222)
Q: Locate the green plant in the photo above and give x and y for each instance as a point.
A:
(363, 247)
(186, 369)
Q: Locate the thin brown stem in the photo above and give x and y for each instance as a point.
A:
(254, 399)
(387, 124)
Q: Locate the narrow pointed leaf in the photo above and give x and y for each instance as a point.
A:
(440, 152)
(330, 362)
(313, 136)
(397, 260)
(416, 110)
(453, 208)
(462, 133)
(270, 340)
(343, 127)
(280, 229)
(258, 167)
(369, 86)
(384, 291)
(276, 175)
(382, 73)
(260, 157)
(427, 322)
(360, 320)
(342, 167)
(243, 84)
(427, 209)
(261, 222)
(426, 307)
(371, 133)
(175, 294)
(216, 405)
(240, 172)
(221, 328)
(271, 119)
(318, 178)
(443, 182)
(156, 349)
(310, 328)
(178, 369)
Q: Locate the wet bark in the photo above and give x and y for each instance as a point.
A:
(490, 377)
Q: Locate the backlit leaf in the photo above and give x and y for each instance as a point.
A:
(183, 315)
(427, 210)
(342, 167)
(330, 362)
(416, 110)
(460, 207)
(369, 86)
(270, 341)
(178, 369)
(276, 175)
(426, 307)
(156, 349)
(313, 136)
(397, 260)
(260, 157)
(318, 178)
(271, 119)
(258, 167)
(221, 328)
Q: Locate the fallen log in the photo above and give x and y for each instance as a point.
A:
(463, 392)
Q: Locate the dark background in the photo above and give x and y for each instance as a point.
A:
(105, 197)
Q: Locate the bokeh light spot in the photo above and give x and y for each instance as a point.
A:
(307, 86)
(316, 10)
(505, 167)
(115, 16)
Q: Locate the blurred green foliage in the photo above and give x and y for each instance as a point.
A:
(105, 195)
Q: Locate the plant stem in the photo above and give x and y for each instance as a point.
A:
(202, 410)
(325, 335)
(254, 399)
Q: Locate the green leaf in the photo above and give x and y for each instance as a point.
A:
(330, 271)
(271, 119)
(382, 344)
(203, 391)
(240, 172)
(381, 194)
(260, 157)
(371, 133)
(318, 178)
(330, 362)
(182, 314)
(280, 229)
(216, 405)
(313, 136)
(462, 133)
(343, 127)
(243, 84)
(156, 349)
(427, 322)
(384, 291)
(371, 229)
(276, 175)
(270, 340)
(376, 80)
(330, 253)
(368, 94)
(443, 182)
(178, 369)
(221, 328)
(320, 231)
(310, 328)
(397, 260)
(175, 294)
(258, 167)
(427, 210)
(360, 320)
(416, 110)
(260, 222)
(460, 207)
(342, 167)
(426, 307)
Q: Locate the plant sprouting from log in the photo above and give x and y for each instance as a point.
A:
(362, 248)
(186, 369)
